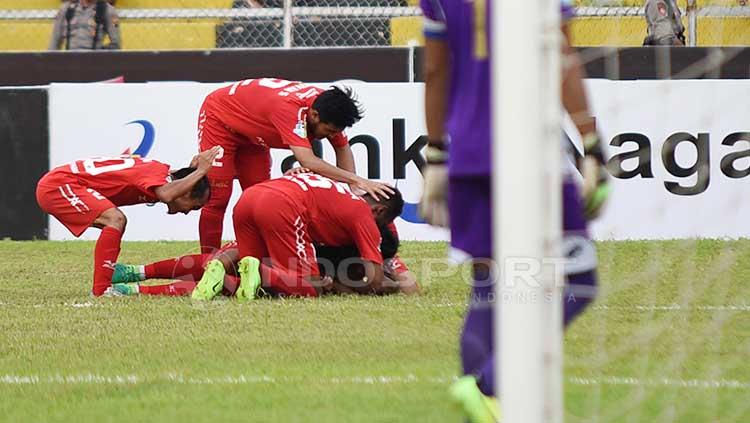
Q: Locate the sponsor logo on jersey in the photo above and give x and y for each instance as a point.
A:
(300, 129)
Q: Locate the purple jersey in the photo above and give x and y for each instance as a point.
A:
(465, 27)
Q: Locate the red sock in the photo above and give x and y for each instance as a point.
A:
(191, 265)
(230, 285)
(211, 222)
(105, 256)
(286, 283)
(174, 289)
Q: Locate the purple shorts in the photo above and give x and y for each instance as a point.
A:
(470, 205)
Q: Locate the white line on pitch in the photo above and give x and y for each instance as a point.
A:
(675, 307)
(95, 379)
(179, 379)
(416, 304)
(668, 382)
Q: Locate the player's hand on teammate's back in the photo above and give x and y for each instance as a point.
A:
(434, 205)
(205, 159)
(378, 190)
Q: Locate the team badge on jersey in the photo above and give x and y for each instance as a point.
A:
(300, 129)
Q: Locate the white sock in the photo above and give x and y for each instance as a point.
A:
(141, 272)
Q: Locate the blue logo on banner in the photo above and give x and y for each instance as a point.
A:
(149, 134)
(411, 213)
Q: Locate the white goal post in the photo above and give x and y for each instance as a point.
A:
(526, 119)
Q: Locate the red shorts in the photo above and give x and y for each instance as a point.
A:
(250, 163)
(74, 205)
(267, 223)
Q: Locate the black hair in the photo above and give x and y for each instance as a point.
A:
(339, 107)
(200, 188)
(330, 258)
(394, 205)
(389, 242)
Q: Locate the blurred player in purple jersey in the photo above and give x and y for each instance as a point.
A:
(457, 191)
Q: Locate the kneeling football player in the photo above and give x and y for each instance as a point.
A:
(281, 219)
(87, 193)
(342, 264)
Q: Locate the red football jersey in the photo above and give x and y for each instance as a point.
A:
(336, 216)
(122, 180)
(269, 112)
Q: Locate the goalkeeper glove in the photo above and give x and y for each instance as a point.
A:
(596, 187)
(434, 205)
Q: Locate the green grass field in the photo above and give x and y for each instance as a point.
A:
(668, 340)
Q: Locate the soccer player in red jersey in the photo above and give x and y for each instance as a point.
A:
(87, 193)
(248, 118)
(189, 269)
(281, 219)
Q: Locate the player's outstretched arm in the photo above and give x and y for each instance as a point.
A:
(175, 189)
(434, 206)
(596, 187)
(573, 90)
(345, 158)
(308, 159)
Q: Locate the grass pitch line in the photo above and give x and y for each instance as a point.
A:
(96, 379)
(178, 379)
(676, 307)
(388, 306)
(666, 382)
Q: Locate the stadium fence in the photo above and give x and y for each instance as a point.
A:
(346, 23)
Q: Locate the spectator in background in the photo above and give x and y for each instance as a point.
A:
(664, 21)
(240, 4)
(82, 25)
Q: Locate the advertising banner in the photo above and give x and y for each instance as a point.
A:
(679, 151)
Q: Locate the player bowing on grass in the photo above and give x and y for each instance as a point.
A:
(250, 117)
(341, 263)
(457, 180)
(279, 220)
(87, 193)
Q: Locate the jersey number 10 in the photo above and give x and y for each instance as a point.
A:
(99, 165)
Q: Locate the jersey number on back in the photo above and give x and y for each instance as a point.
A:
(99, 165)
(277, 84)
(311, 180)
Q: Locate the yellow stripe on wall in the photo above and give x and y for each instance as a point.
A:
(615, 31)
(174, 4)
(406, 30)
(30, 4)
(727, 31)
(25, 36)
(168, 34)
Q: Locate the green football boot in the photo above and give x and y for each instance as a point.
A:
(211, 283)
(126, 288)
(477, 407)
(125, 273)
(249, 270)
